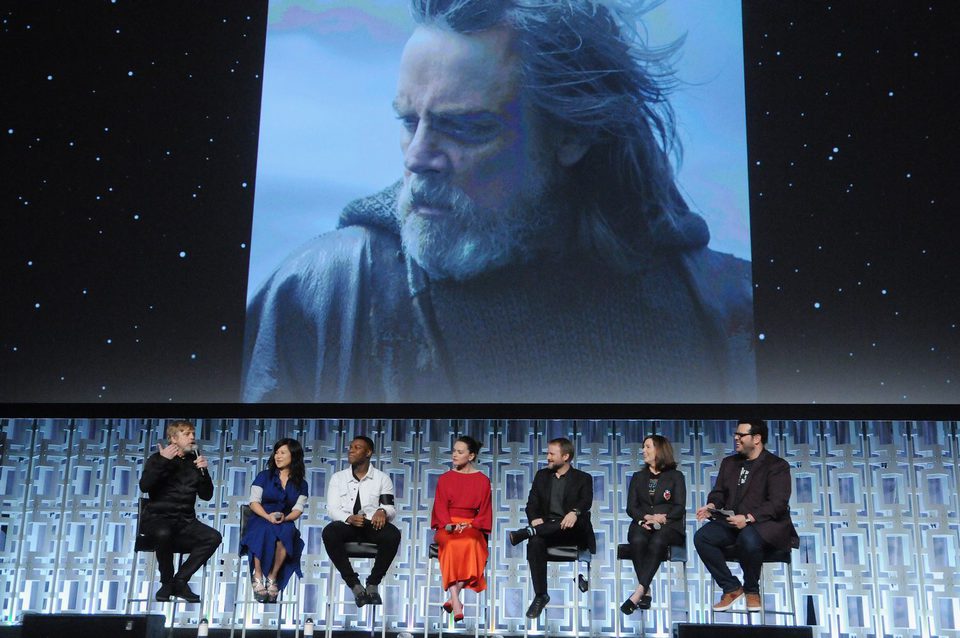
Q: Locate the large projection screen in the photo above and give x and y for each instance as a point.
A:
(162, 162)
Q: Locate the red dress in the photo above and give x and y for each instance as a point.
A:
(462, 498)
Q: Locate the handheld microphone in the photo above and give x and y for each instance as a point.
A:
(196, 450)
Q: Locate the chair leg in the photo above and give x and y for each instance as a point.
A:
(763, 607)
(426, 599)
(618, 588)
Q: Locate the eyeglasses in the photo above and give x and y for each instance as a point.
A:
(740, 435)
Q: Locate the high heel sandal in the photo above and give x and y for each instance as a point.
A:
(447, 607)
(259, 590)
(272, 591)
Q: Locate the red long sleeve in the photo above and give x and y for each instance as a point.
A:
(464, 496)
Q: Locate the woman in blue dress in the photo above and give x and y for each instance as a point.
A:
(271, 539)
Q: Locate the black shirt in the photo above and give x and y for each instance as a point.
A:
(559, 487)
(174, 485)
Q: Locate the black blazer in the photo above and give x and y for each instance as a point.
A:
(767, 496)
(670, 497)
(577, 496)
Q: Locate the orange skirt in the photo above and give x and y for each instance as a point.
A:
(463, 556)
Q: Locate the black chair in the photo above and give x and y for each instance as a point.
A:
(434, 553)
(571, 554)
(144, 542)
(247, 591)
(353, 550)
(782, 556)
(676, 554)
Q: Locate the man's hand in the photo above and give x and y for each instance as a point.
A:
(379, 519)
(568, 521)
(737, 520)
(703, 513)
(536, 521)
(357, 520)
(201, 462)
(168, 452)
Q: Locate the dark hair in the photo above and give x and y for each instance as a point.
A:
(566, 446)
(589, 73)
(297, 470)
(473, 445)
(367, 440)
(757, 426)
(663, 460)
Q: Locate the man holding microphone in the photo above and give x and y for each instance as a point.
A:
(174, 476)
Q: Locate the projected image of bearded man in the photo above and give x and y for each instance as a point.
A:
(476, 170)
(536, 247)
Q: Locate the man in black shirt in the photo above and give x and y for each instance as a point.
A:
(558, 510)
(173, 477)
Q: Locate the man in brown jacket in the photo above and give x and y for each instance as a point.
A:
(753, 490)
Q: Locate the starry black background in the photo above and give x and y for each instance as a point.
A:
(128, 143)
(853, 137)
(128, 132)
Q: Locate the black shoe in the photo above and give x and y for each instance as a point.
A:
(182, 590)
(165, 593)
(582, 583)
(645, 601)
(628, 606)
(360, 595)
(373, 596)
(536, 607)
(517, 536)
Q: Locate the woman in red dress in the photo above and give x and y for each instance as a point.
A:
(462, 518)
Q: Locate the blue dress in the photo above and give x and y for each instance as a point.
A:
(260, 537)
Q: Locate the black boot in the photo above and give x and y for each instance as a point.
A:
(182, 590)
(165, 593)
(517, 536)
(536, 607)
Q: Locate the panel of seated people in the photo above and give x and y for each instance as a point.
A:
(872, 504)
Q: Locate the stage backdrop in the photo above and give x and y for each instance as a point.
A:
(875, 503)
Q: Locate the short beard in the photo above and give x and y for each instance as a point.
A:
(467, 241)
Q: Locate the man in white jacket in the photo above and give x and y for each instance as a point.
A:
(360, 506)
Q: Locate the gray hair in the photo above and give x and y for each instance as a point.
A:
(589, 73)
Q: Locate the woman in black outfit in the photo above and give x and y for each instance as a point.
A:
(656, 504)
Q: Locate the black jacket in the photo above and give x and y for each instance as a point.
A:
(670, 497)
(577, 496)
(174, 485)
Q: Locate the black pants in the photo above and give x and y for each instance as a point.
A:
(387, 540)
(648, 548)
(549, 534)
(183, 537)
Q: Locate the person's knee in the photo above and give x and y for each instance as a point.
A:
(391, 535)
(161, 535)
(749, 542)
(536, 546)
(700, 538)
(330, 533)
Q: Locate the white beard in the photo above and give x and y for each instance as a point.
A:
(466, 241)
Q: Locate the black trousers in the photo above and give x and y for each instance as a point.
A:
(183, 537)
(648, 548)
(387, 540)
(549, 534)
